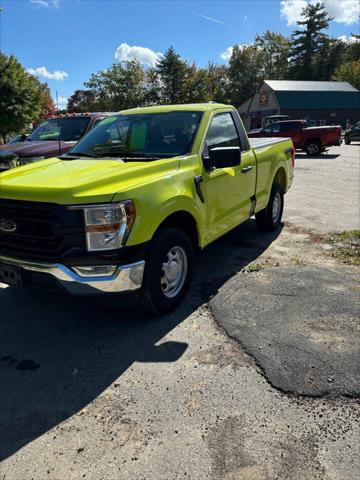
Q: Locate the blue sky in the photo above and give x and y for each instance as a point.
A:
(64, 41)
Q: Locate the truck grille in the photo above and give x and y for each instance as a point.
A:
(43, 230)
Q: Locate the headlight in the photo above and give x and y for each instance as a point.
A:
(108, 226)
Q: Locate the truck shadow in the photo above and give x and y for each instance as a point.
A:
(59, 353)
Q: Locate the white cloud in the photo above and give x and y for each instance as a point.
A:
(291, 10)
(226, 54)
(144, 55)
(343, 11)
(62, 102)
(350, 39)
(44, 72)
(45, 3)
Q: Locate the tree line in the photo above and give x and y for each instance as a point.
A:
(24, 100)
(308, 54)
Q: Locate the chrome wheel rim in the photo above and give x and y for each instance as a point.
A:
(276, 208)
(174, 272)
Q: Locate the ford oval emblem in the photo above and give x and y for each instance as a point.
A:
(7, 226)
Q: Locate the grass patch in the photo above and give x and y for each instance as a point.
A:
(347, 246)
(253, 267)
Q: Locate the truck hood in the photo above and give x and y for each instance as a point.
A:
(80, 181)
(36, 149)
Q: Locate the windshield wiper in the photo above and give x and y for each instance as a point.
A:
(74, 156)
(128, 156)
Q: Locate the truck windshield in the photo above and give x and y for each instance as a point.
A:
(67, 129)
(141, 136)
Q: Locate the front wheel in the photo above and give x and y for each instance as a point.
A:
(168, 271)
(269, 219)
(347, 140)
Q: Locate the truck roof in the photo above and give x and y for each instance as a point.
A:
(199, 107)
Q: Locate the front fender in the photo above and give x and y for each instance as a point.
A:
(155, 201)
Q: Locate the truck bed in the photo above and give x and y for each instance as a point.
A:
(262, 142)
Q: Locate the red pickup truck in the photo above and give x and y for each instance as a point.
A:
(312, 140)
(53, 137)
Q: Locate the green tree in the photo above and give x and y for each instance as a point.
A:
(196, 85)
(172, 70)
(152, 86)
(81, 101)
(329, 58)
(352, 49)
(118, 87)
(218, 82)
(308, 42)
(245, 73)
(21, 97)
(348, 72)
(274, 49)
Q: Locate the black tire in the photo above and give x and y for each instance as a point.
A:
(347, 140)
(153, 298)
(313, 148)
(265, 219)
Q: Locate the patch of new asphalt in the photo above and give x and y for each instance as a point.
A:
(300, 324)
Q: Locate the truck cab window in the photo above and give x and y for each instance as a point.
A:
(290, 126)
(274, 128)
(222, 132)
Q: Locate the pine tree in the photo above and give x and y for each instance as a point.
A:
(308, 42)
(172, 70)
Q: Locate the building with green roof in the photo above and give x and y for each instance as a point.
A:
(323, 103)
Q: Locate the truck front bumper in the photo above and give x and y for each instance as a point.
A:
(98, 279)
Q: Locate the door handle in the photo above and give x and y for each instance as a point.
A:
(246, 169)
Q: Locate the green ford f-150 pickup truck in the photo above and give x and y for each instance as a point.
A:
(126, 208)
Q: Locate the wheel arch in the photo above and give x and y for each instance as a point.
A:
(186, 222)
(281, 178)
(313, 140)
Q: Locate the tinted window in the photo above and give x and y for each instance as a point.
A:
(290, 127)
(165, 134)
(66, 129)
(222, 132)
(274, 128)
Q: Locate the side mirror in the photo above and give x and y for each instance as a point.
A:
(222, 157)
(23, 137)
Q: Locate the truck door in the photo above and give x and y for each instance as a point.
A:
(293, 130)
(228, 191)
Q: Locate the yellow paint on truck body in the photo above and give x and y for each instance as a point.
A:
(161, 187)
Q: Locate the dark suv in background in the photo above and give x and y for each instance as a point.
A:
(352, 133)
(53, 137)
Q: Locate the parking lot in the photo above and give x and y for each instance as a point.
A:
(254, 377)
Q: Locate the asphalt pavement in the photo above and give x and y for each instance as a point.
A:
(90, 390)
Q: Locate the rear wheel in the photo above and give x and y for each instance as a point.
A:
(269, 219)
(347, 140)
(313, 148)
(168, 271)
